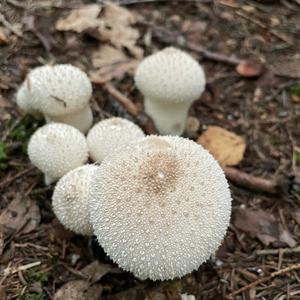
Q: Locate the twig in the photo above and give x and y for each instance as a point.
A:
(13, 270)
(9, 26)
(8, 180)
(144, 120)
(276, 251)
(243, 179)
(262, 280)
(176, 38)
(129, 2)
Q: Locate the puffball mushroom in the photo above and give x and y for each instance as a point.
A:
(70, 199)
(160, 207)
(110, 134)
(56, 149)
(60, 92)
(170, 81)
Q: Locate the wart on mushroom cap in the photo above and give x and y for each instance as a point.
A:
(160, 207)
(70, 199)
(170, 81)
(60, 92)
(56, 149)
(110, 134)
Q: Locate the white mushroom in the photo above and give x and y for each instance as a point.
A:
(70, 199)
(56, 149)
(160, 207)
(110, 134)
(170, 81)
(60, 92)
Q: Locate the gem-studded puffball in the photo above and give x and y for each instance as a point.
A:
(110, 134)
(70, 199)
(171, 76)
(56, 149)
(160, 207)
(55, 90)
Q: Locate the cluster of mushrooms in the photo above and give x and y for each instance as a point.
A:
(158, 205)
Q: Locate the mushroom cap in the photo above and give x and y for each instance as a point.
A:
(57, 148)
(110, 134)
(55, 90)
(70, 199)
(170, 75)
(160, 207)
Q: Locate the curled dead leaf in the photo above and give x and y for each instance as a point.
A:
(249, 68)
(262, 225)
(78, 290)
(80, 19)
(227, 147)
(21, 215)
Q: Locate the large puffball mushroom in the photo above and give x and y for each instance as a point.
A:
(60, 92)
(110, 134)
(56, 149)
(170, 81)
(70, 199)
(160, 207)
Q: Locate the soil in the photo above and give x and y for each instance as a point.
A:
(263, 109)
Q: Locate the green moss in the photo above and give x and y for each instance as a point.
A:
(3, 156)
(32, 296)
(295, 89)
(34, 275)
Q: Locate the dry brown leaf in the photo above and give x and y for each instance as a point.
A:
(80, 19)
(248, 68)
(78, 290)
(21, 214)
(95, 270)
(263, 225)
(227, 147)
(290, 69)
(3, 37)
(113, 26)
(4, 102)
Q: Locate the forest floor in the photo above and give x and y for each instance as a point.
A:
(259, 258)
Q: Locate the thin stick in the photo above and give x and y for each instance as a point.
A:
(262, 280)
(243, 179)
(13, 270)
(176, 38)
(9, 26)
(277, 251)
(143, 119)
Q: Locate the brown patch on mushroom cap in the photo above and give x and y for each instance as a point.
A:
(158, 175)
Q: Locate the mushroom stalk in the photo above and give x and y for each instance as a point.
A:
(168, 118)
(81, 119)
(48, 179)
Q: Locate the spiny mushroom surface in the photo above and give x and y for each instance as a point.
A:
(160, 207)
(60, 92)
(110, 134)
(56, 149)
(70, 199)
(170, 81)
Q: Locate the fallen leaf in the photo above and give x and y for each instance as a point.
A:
(113, 26)
(227, 147)
(95, 270)
(4, 102)
(111, 63)
(21, 214)
(78, 290)
(248, 68)
(287, 68)
(3, 37)
(262, 225)
(80, 19)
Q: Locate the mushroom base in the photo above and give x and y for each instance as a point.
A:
(169, 118)
(82, 119)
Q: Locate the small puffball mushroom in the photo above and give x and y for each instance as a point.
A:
(110, 134)
(56, 149)
(70, 199)
(60, 92)
(160, 207)
(170, 81)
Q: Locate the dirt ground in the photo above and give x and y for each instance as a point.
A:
(259, 258)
